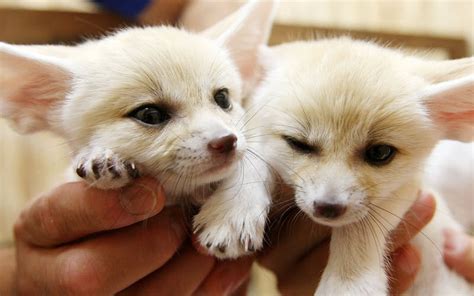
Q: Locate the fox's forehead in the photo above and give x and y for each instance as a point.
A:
(348, 94)
(162, 64)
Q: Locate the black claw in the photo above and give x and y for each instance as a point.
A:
(96, 168)
(221, 248)
(80, 171)
(250, 247)
(112, 170)
(198, 230)
(208, 245)
(132, 170)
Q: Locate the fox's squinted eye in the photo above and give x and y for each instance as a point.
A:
(150, 114)
(299, 145)
(379, 155)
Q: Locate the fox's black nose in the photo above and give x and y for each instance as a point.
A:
(225, 144)
(327, 210)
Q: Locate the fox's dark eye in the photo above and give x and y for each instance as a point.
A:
(150, 114)
(299, 146)
(380, 154)
(221, 96)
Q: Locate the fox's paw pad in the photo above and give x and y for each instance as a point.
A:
(229, 237)
(105, 169)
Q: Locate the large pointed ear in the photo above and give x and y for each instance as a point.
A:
(450, 98)
(245, 34)
(32, 85)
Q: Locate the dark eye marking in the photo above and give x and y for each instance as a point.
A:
(221, 96)
(380, 154)
(299, 145)
(150, 114)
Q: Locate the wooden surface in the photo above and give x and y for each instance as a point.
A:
(454, 47)
(23, 26)
(35, 26)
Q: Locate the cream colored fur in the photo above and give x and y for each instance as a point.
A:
(86, 92)
(340, 96)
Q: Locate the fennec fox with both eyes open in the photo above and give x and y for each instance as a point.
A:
(155, 101)
(348, 125)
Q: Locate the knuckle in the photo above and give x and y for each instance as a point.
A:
(80, 276)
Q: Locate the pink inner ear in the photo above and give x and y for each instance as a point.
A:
(456, 125)
(31, 85)
(27, 112)
(29, 103)
(467, 116)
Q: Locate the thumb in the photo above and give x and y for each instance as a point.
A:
(459, 253)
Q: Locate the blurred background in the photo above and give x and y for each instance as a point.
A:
(32, 164)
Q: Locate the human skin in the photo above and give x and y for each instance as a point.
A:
(81, 240)
(459, 253)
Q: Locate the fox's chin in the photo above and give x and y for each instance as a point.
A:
(339, 222)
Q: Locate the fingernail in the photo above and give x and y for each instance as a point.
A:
(455, 243)
(426, 204)
(424, 195)
(141, 198)
(407, 259)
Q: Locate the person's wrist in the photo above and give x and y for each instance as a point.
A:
(7, 270)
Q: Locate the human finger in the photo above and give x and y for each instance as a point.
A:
(182, 275)
(74, 210)
(226, 277)
(105, 263)
(303, 277)
(459, 253)
(419, 214)
(291, 234)
(405, 264)
(290, 240)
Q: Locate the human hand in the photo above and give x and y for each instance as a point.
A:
(459, 253)
(83, 240)
(300, 256)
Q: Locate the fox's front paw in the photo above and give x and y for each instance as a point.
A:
(102, 168)
(230, 234)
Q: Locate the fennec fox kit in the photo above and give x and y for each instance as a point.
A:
(156, 101)
(349, 124)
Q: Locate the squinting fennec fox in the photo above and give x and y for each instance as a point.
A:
(156, 101)
(348, 125)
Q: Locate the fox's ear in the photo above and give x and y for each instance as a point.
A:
(245, 34)
(32, 85)
(450, 98)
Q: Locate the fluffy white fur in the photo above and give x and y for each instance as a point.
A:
(450, 172)
(86, 94)
(339, 97)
